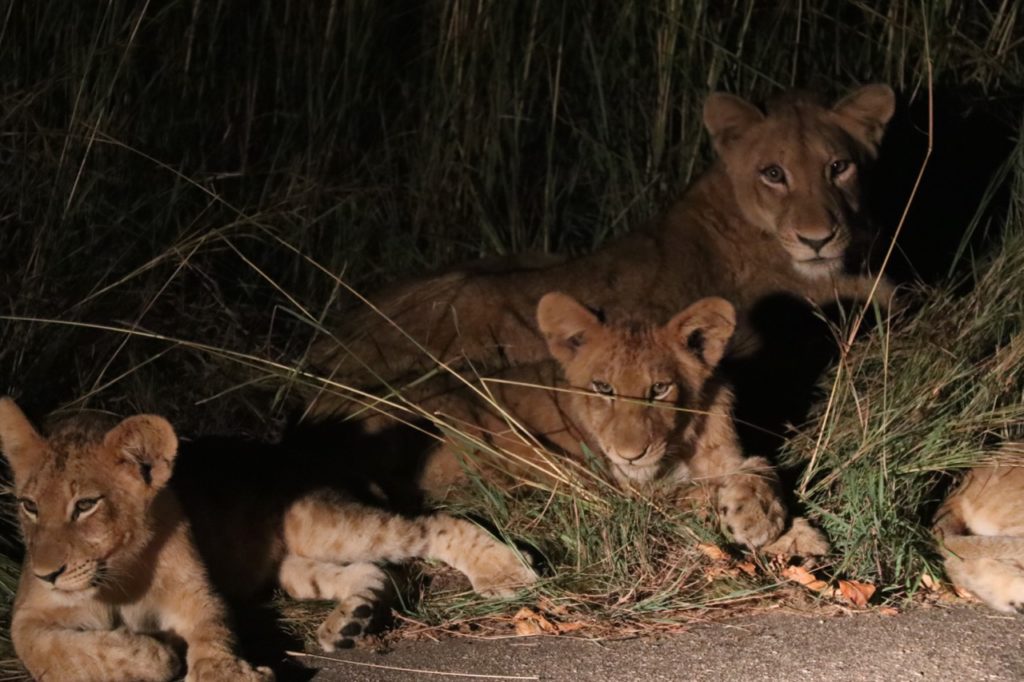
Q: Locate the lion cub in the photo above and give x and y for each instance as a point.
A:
(117, 552)
(980, 531)
(643, 396)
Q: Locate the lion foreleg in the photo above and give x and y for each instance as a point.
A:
(56, 653)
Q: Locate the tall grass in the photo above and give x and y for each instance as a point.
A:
(174, 167)
(153, 147)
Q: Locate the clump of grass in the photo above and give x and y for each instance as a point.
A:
(916, 399)
(620, 560)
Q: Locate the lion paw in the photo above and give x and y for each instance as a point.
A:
(802, 539)
(1007, 597)
(500, 572)
(161, 658)
(750, 510)
(350, 620)
(998, 583)
(227, 669)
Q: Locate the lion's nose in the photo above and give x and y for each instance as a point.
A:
(816, 244)
(52, 577)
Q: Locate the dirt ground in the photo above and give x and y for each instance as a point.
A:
(957, 643)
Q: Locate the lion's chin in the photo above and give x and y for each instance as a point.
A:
(636, 472)
(77, 587)
(76, 590)
(813, 268)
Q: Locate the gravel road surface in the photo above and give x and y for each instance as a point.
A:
(958, 643)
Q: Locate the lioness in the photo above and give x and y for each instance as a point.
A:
(643, 396)
(980, 532)
(116, 562)
(775, 214)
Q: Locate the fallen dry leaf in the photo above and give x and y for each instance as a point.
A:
(529, 622)
(856, 592)
(930, 583)
(964, 594)
(528, 628)
(889, 611)
(801, 575)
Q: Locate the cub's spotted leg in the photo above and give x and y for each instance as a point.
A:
(358, 588)
(326, 528)
(196, 614)
(494, 569)
(52, 653)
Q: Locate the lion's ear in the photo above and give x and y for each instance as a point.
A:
(704, 329)
(21, 443)
(566, 324)
(147, 443)
(727, 117)
(866, 111)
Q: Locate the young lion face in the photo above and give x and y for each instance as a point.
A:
(83, 493)
(794, 171)
(639, 383)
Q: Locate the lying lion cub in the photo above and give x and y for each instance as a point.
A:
(980, 530)
(644, 396)
(114, 571)
(779, 213)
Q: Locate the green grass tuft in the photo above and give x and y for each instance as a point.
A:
(912, 402)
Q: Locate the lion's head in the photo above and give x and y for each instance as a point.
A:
(638, 383)
(795, 170)
(83, 492)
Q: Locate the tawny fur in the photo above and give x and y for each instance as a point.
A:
(105, 592)
(641, 395)
(980, 532)
(110, 560)
(733, 234)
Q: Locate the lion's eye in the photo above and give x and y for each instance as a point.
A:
(774, 174)
(29, 507)
(838, 167)
(660, 389)
(602, 387)
(85, 505)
